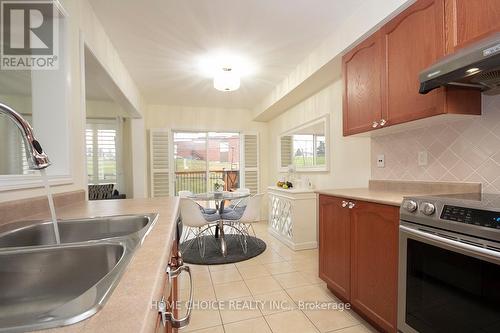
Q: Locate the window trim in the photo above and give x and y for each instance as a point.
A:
(325, 119)
(65, 177)
(207, 169)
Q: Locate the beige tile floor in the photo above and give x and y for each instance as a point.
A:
(277, 275)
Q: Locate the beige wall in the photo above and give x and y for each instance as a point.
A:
(81, 18)
(349, 157)
(212, 119)
(103, 109)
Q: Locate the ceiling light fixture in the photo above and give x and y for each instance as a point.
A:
(226, 69)
(226, 79)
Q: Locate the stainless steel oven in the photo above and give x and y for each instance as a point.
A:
(449, 264)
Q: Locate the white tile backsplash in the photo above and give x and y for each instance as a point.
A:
(466, 150)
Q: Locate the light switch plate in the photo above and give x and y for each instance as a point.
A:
(381, 161)
(423, 158)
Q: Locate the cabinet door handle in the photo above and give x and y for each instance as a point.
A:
(176, 261)
(351, 205)
(344, 204)
(383, 122)
(375, 124)
(168, 316)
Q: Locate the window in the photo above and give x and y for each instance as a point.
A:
(305, 147)
(41, 97)
(12, 148)
(224, 151)
(202, 158)
(101, 150)
(24, 158)
(308, 150)
(224, 147)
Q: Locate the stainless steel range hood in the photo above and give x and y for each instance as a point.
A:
(477, 67)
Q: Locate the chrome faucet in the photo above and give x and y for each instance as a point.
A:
(37, 159)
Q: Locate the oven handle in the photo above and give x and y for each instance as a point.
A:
(470, 248)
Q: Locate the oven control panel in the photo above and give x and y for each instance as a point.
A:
(483, 218)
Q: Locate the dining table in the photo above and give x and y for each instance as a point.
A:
(219, 199)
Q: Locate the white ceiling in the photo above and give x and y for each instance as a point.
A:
(160, 42)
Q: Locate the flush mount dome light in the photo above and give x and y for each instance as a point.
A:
(225, 69)
(226, 79)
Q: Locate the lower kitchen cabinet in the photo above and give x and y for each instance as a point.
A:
(359, 256)
(334, 245)
(374, 262)
(170, 295)
(170, 292)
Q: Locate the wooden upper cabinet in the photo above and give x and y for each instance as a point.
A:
(469, 21)
(381, 75)
(362, 99)
(374, 262)
(413, 40)
(334, 247)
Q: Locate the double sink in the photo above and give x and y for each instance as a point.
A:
(45, 285)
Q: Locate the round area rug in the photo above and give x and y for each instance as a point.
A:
(213, 254)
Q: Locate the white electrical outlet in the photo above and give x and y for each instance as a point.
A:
(381, 161)
(423, 158)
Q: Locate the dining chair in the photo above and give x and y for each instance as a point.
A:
(187, 194)
(197, 223)
(241, 203)
(242, 220)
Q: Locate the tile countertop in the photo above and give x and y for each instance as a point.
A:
(129, 307)
(389, 192)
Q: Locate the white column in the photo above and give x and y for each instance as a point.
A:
(139, 157)
(51, 111)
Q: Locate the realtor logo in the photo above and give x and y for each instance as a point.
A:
(29, 35)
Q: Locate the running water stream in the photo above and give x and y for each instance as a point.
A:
(45, 179)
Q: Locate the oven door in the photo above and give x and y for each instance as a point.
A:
(446, 285)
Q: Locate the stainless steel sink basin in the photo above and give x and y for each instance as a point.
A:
(44, 285)
(58, 285)
(42, 233)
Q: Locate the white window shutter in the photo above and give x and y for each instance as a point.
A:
(102, 151)
(286, 151)
(251, 162)
(159, 144)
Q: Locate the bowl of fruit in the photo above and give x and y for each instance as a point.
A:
(284, 185)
